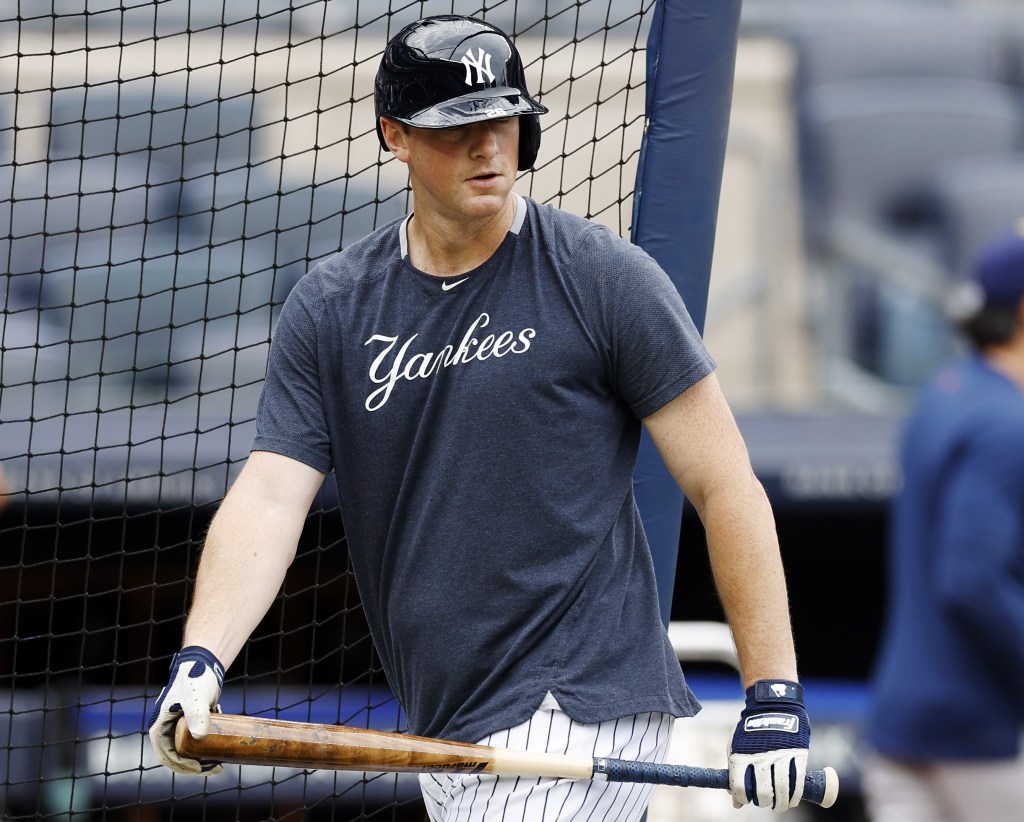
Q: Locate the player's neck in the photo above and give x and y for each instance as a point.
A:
(449, 247)
(1009, 359)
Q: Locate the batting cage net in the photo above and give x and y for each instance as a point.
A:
(168, 170)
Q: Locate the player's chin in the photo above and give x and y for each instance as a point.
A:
(486, 203)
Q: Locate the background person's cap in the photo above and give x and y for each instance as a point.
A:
(999, 271)
(997, 277)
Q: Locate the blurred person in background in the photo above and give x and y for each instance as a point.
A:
(947, 714)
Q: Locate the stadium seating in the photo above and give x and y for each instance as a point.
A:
(884, 96)
(174, 213)
(188, 128)
(977, 198)
(872, 148)
(870, 40)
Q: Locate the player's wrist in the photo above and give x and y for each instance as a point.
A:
(204, 656)
(774, 718)
(772, 693)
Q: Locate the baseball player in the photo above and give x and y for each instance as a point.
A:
(476, 376)
(946, 716)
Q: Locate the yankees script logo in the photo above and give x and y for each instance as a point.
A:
(481, 62)
(394, 364)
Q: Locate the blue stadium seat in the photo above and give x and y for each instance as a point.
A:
(116, 207)
(293, 221)
(871, 40)
(871, 146)
(271, 232)
(187, 128)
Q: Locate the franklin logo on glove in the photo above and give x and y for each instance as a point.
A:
(773, 722)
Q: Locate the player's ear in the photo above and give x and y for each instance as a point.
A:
(1020, 317)
(393, 133)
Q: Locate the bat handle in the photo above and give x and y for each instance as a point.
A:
(820, 787)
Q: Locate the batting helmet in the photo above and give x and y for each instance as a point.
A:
(450, 70)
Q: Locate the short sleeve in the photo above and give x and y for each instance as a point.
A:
(290, 418)
(652, 348)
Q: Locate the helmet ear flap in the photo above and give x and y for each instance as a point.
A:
(529, 140)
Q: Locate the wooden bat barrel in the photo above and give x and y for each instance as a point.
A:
(252, 740)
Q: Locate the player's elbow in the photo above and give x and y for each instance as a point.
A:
(736, 495)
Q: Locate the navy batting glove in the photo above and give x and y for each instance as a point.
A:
(768, 755)
(192, 691)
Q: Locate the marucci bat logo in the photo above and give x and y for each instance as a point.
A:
(462, 767)
(394, 364)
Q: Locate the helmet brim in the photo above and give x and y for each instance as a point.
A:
(488, 104)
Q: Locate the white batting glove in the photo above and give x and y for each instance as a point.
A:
(196, 680)
(768, 754)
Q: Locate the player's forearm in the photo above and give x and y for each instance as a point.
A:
(240, 574)
(747, 567)
(249, 547)
(702, 447)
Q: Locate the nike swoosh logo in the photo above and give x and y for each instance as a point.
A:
(448, 286)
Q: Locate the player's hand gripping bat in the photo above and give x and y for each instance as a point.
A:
(255, 741)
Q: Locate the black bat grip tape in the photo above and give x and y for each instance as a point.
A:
(685, 776)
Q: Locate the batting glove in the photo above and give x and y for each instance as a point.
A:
(768, 755)
(196, 680)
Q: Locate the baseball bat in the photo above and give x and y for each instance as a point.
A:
(258, 741)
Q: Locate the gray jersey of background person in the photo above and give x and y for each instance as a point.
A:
(462, 177)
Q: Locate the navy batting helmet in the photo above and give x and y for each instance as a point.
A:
(450, 70)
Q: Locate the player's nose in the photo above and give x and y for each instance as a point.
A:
(484, 137)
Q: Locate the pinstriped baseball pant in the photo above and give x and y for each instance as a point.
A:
(490, 798)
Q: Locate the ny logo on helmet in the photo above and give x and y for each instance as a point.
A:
(481, 62)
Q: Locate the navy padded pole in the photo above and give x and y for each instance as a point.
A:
(691, 61)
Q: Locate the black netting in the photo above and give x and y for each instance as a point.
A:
(168, 169)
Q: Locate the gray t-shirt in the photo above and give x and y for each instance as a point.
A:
(483, 431)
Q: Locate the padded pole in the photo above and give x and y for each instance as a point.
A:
(691, 61)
